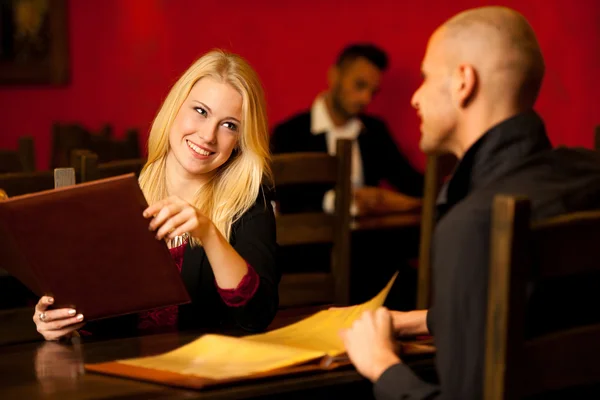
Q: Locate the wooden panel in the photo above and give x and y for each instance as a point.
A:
(506, 296)
(314, 228)
(391, 221)
(10, 162)
(305, 288)
(68, 138)
(305, 228)
(558, 259)
(65, 139)
(86, 162)
(20, 160)
(111, 149)
(297, 168)
(437, 169)
(27, 153)
(340, 256)
(568, 355)
(520, 252)
(427, 222)
(120, 167)
(17, 184)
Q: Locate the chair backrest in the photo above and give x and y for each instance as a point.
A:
(437, 169)
(299, 289)
(86, 164)
(69, 137)
(521, 252)
(66, 138)
(17, 184)
(597, 138)
(20, 160)
(110, 149)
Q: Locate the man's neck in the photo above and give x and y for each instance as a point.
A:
(474, 127)
(337, 118)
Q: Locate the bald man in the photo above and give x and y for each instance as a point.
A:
(482, 72)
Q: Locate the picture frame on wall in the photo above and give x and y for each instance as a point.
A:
(33, 42)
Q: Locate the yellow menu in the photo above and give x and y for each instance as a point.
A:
(223, 357)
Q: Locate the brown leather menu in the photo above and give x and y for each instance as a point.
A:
(89, 247)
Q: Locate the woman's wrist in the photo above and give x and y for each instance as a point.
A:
(206, 233)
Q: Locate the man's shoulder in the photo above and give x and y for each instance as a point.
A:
(298, 121)
(557, 181)
(291, 134)
(373, 122)
(553, 172)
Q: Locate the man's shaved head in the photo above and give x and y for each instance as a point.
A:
(502, 45)
(481, 66)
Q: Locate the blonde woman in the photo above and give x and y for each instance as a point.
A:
(207, 160)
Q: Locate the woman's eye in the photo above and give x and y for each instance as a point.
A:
(200, 111)
(231, 126)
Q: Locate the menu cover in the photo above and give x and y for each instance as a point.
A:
(89, 247)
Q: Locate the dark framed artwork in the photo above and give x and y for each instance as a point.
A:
(33, 42)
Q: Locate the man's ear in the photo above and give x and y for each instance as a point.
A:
(465, 85)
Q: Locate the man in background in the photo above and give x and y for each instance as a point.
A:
(338, 114)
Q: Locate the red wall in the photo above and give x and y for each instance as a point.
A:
(125, 54)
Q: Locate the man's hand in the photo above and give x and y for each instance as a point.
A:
(374, 200)
(370, 343)
(410, 323)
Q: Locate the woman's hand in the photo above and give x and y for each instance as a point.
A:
(174, 216)
(55, 324)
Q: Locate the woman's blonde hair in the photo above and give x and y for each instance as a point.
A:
(233, 187)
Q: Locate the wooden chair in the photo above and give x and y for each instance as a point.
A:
(69, 137)
(16, 184)
(437, 169)
(86, 163)
(66, 138)
(21, 160)
(303, 289)
(109, 149)
(560, 247)
(15, 321)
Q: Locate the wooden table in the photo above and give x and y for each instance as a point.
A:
(50, 370)
(390, 221)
